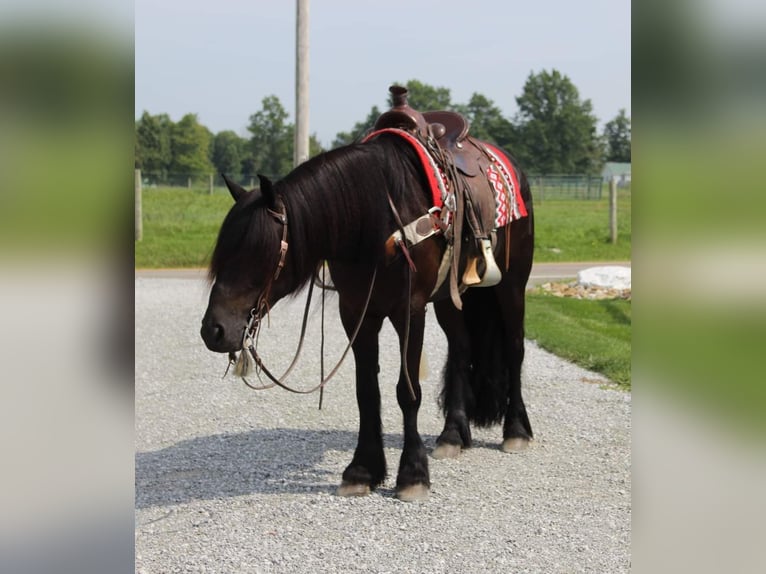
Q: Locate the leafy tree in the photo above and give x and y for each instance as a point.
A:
(359, 129)
(271, 143)
(556, 131)
(315, 146)
(152, 143)
(270, 148)
(248, 167)
(617, 136)
(227, 154)
(487, 121)
(190, 145)
(424, 97)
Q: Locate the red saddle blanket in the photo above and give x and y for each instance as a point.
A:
(509, 205)
(502, 177)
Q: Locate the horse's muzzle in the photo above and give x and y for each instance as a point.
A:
(216, 337)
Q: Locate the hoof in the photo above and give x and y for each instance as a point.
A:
(516, 444)
(348, 489)
(413, 493)
(446, 451)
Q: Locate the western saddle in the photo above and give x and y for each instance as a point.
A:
(465, 163)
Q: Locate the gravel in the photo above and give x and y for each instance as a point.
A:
(233, 480)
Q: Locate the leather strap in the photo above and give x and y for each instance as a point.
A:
(415, 232)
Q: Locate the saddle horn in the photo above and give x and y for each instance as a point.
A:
(401, 115)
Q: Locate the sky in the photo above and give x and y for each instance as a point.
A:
(219, 59)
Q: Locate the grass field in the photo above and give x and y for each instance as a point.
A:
(578, 230)
(181, 225)
(594, 334)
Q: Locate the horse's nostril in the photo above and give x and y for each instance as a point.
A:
(211, 332)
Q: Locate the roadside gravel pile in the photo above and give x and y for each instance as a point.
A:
(608, 282)
(577, 291)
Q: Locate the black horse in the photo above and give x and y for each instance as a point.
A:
(338, 207)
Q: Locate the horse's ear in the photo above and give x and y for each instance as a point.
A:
(236, 190)
(267, 190)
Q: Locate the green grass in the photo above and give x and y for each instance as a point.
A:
(578, 230)
(181, 226)
(593, 334)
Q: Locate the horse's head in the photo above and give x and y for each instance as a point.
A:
(246, 267)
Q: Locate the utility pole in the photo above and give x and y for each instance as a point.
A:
(301, 144)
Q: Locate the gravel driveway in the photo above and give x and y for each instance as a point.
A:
(232, 480)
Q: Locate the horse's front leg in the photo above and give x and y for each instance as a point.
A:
(368, 467)
(412, 481)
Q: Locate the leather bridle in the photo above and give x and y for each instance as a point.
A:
(261, 309)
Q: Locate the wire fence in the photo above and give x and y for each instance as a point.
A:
(205, 181)
(544, 187)
(549, 187)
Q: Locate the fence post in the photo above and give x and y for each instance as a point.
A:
(211, 184)
(188, 182)
(139, 232)
(613, 210)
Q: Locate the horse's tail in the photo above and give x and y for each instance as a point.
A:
(486, 391)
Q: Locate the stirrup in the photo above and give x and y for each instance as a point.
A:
(491, 275)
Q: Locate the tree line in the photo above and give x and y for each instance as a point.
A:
(553, 132)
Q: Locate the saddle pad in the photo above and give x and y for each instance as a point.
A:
(509, 205)
(436, 179)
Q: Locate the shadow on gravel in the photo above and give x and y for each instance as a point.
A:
(275, 461)
(268, 461)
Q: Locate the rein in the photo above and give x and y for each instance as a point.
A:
(249, 358)
(280, 381)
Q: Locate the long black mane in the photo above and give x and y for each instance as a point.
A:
(336, 206)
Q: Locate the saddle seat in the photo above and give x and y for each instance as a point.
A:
(448, 128)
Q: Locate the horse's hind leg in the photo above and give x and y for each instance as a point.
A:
(367, 469)
(456, 434)
(412, 481)
(517, 430)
